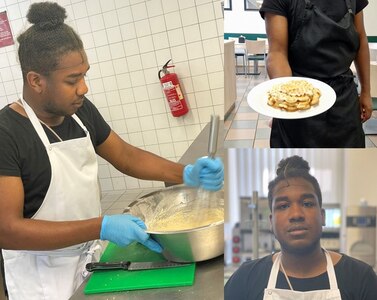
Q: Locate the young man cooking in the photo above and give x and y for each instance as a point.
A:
(49, 194)
(303, 270)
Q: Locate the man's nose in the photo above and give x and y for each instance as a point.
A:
(82, 88)
(296, 213)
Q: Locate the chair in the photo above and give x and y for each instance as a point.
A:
(370, 126)
(255, 51)
(239, 51)
(265, 40)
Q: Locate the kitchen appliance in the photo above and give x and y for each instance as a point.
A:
(254, 218)
(190, 245)
(122, 280)
(361, 233)
(330, 238)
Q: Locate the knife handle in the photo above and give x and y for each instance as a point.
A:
(90, 267)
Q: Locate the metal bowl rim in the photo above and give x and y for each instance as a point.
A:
(216, 224)
(174, 187)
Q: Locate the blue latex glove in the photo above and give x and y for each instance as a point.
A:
(124, 229)
(206, 172)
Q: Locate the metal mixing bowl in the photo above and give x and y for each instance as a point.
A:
(191, 245)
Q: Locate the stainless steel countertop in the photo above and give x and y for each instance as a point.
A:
(208, 284)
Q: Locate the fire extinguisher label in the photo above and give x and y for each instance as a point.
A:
(179, 92)
(175, 98)
(174, 95)
(168, 85)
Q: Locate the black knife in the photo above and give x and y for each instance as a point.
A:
(132, 266)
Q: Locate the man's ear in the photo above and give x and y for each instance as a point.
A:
(271, 227)
(35, 81)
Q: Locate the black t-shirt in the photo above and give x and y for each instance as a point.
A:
(294, 9)
(23, 154)
(356, 280)
(335, 9)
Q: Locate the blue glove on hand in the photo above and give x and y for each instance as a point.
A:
(124, 229)
(206, 172)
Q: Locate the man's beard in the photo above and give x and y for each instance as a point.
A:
(51, 108)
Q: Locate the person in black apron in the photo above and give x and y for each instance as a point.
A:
(322, 48)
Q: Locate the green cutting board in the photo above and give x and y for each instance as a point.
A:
(102, 281)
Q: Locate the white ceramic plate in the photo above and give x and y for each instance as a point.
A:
(257, 99)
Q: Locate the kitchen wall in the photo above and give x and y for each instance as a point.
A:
(360, 178)
(238, 20)
(370, 20)
(127, 41)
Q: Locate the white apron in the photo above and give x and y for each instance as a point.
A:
(272, 293)
(73, 194)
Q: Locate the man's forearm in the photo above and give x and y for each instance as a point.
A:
(31, 234)
(362, 63)
(148, 166)
(277, 65)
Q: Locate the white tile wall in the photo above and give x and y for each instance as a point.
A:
(127, 42)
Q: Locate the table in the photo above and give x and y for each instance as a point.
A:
(241, 51)
(208, 284)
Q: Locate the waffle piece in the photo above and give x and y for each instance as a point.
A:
(293, 95)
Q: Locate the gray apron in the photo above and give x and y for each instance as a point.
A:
(324, 49)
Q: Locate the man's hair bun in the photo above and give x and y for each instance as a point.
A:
(289, 164)
(46, 15)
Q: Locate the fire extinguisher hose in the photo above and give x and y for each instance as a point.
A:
(165, 69)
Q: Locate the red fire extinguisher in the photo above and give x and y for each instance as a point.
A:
(172, 89)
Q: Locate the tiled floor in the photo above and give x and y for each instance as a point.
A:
(244, 128)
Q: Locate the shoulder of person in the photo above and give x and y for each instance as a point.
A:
(4, 113)
(255, 265)
(12, 122)
(277, 7)
(356, 278)
(249, 280)
(351, 263)
(361, 4)
(259, 262)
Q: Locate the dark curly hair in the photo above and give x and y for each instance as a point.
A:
(291, 167)
(42, 45)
